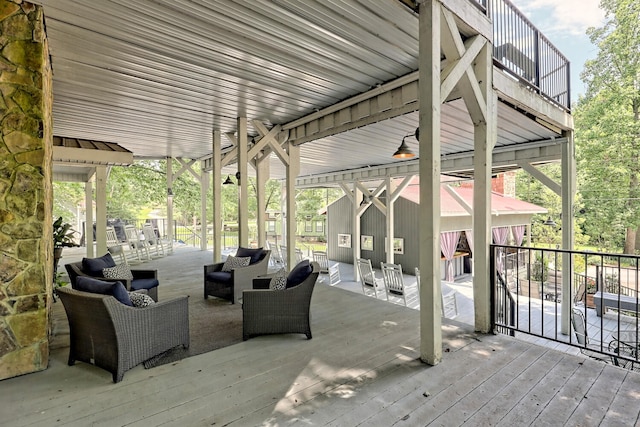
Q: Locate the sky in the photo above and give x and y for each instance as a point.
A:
(564, 23)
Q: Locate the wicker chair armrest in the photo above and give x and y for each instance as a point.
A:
(145, 274)
(248, 273)
(262, 282)
(210, 268)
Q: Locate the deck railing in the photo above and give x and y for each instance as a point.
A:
(527, 284)
(525, 53)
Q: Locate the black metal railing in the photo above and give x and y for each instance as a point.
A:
(481, 4)
(524, 52)
(601, 293)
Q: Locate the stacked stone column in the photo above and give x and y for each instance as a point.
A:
(26, 265)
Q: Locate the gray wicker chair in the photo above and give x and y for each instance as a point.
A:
(142, 279)
(115, 337)
(229, 285)
(266, 311)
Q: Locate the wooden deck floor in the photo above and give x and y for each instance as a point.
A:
(361, 368)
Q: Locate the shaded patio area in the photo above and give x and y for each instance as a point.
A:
(361, 367)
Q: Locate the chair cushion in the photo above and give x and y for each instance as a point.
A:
(235, 262)
(96, 286)
(279, 281)
(255, 254)
(299, 273)
(94, 266)
(144, 284)
(120, 271)
(219, 277)
(141, 300)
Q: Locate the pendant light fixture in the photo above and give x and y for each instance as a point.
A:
(403, 151)
(229, 181)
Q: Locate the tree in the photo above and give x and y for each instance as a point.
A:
(66, 198)
(608, 125)
(135, 190)
(533, 191)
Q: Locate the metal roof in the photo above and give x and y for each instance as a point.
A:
(158, 77)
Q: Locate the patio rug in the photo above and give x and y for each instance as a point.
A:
(213, 323)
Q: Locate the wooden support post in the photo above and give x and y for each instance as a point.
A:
(485, 132)
(357, 215)
(390, 218)
(205, 178)
(262, 176)
(429, 216)
(170, 235)
(293, 169)
(88, 217)
(243, 181)
(217, 195)
(568, 196)
(101, 210)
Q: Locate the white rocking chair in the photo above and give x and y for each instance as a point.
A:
(393, 281)
(136, 246)
(152, 241)
(114, 246)
(449, 300)
(368, 278)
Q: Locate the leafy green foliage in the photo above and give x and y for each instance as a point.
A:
(136, 191)
(63, 234)
(533, 191)
(608, 129)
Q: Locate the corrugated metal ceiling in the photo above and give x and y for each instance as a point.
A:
(158, 76)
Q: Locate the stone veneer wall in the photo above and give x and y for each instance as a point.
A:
(25, 190)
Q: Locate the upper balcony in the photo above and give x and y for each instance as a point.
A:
(521, 50)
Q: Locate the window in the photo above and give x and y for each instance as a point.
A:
(271, 226)
(308, 227)
(319, 226)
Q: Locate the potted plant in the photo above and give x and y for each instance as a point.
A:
(63, 236)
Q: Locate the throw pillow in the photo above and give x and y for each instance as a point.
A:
(255, 254)
(141, 300)
(279, 281)
(94, 266)
(120, 271)
(299, 273)
(96, 286)
(235, 262)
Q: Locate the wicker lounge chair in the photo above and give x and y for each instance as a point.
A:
(229, 285)
(266, 311)
(142, 279)
(115, 337)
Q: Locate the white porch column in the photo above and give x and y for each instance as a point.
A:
(485, 132)
(243, 188)
(293, 169)
(88, 216)
(101, 210)
(170, 236)
(217, 195)
(357, 226)
(568, 195)
(283, 212)
(205, 178)
(429, 164)
(262, 175)
(390, 229)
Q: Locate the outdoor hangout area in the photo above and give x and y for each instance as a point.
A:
(315, 212)
(360, 367)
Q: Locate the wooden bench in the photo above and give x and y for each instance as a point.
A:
(606, 299)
